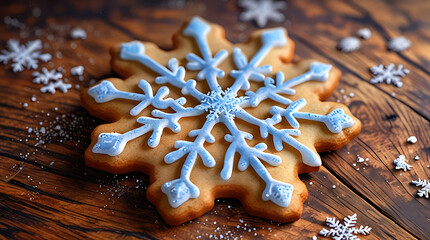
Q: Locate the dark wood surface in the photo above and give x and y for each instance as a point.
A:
(46, 191)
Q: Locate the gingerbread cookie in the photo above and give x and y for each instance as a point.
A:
(238, 121)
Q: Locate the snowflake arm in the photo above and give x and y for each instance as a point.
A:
(317, 71)
(180, 190)
(23, 56)
(279, 136)
(425, 187)
(278, 192)
(249, 70)
(335, 121)
(106, 91)
(113, 144)
(207, 65)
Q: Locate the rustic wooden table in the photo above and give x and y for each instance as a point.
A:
(46, 191)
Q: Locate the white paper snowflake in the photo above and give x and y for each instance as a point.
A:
(262, 11)
(425, 187)
(221, 106)
(400, 163)
(389, 74)
(346, 230)
(52, 81)
(399, 44)
(23, 56)
(364, 33)
(349, 44)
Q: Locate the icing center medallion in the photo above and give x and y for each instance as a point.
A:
(221, 102)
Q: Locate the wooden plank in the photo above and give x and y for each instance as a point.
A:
(77, 209)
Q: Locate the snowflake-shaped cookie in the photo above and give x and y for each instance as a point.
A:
(242, 126)
(345, 231)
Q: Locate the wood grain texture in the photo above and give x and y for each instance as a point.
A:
(52, 194)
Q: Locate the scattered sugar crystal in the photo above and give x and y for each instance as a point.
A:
(349, 44)
(78, 33)
(364, 33)
(412, 139)
(416, 157)
(77, 71)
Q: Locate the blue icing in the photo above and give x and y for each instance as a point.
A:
(335, 121)
(249, 70)
(222, 106)
(135, 51)
(198, 29)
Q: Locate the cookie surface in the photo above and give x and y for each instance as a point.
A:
(236, 121)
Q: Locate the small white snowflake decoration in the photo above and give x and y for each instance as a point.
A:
(52, 81)
(262, 11)
(344, 231)
(23, 56)
(349, 44)
(399, 44)
(400, 163)
(389, 74)
(425, 187)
